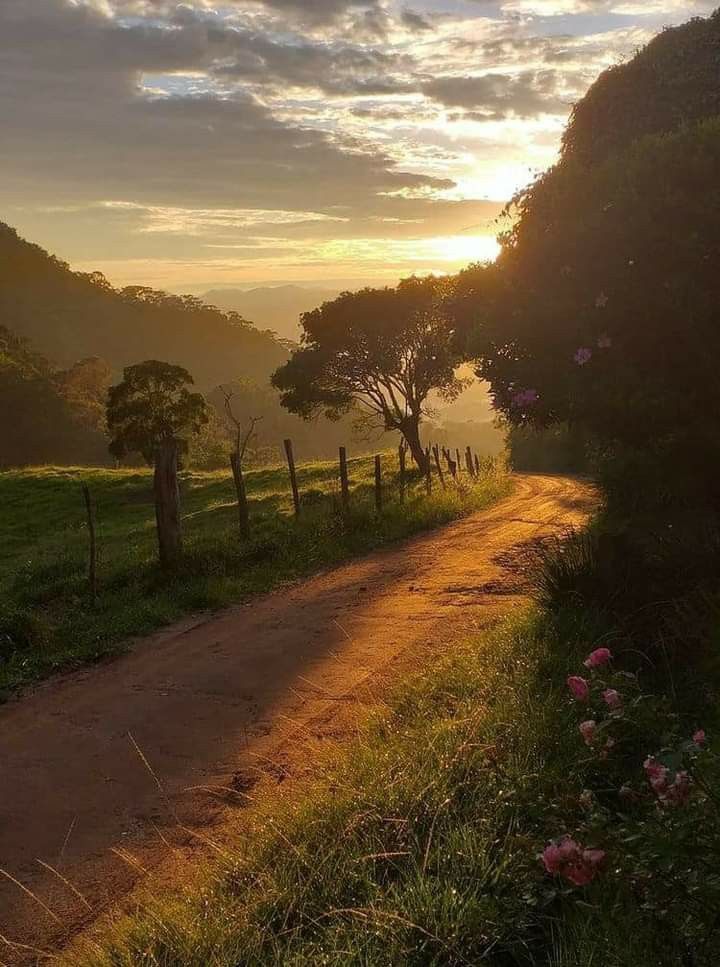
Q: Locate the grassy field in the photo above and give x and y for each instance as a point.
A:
(48, 620)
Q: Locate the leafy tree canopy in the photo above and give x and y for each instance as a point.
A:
(151, 404)
(602, 309)
(383, 350)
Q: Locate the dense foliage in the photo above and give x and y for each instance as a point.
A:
(603, 309)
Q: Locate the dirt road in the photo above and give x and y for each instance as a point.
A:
(217, 704)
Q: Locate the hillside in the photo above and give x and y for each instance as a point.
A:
(67, 316)
(272, 307)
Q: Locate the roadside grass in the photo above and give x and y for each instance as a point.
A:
(420, 845)
(48, 620)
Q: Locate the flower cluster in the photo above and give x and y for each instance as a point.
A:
(568, 859)
(616, 705)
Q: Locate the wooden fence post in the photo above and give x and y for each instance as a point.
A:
(477, 466)
(441, 475)
(453, 468)
(243, 510)
(344, 482)
(92, 563)
(469, 462)
(167, 502)
(458, 460)
(428, 471)
(378, 484)
(401, 458)
(293, 476)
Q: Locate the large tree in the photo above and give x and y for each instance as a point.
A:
(152, 412)
(382, 350)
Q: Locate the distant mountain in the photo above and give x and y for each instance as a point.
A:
(67, 316)
(272, 307)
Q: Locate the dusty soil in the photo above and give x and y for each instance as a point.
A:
(107, 772)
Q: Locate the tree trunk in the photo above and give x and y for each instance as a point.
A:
(243, 512)
(411, 431)
(167, 502)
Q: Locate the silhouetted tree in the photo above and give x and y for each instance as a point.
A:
(152, 412)
(383, 350)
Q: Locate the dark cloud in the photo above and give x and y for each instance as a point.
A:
(415, 21)
(495, 96)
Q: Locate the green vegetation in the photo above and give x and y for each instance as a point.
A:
(47, 618)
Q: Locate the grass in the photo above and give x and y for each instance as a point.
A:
(48, 620)
(420, 846)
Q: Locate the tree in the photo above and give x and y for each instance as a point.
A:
(242, 434)
(152, 412)
(383, 350)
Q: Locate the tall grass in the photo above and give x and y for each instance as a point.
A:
(48, 619)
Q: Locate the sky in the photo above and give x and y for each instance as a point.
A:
(224, 143)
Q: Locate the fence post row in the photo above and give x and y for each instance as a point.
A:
(293, 476)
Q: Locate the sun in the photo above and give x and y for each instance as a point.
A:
(464, 248)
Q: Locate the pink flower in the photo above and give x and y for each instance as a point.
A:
(556, 855)
(657, 775)
(612, 698)
(699, 738)
(579, 688)
(583, 356)
(601, 656)
(568, 859)
(588, 730)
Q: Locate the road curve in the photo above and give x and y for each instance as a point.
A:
(120, 763)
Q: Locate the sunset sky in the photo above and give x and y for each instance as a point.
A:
(208, 143)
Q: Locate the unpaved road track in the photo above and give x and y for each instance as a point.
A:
(217, 704)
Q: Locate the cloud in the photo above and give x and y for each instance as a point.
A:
(154, 129)
(495, 96)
